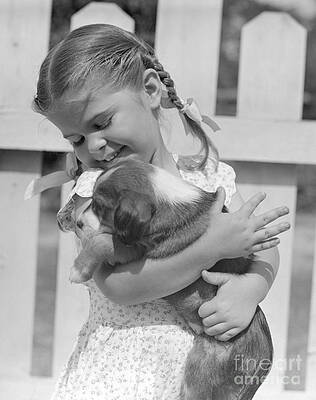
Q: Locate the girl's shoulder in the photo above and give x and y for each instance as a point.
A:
(211, 177)
(85, 183)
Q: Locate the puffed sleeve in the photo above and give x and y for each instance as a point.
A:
(211, 177)
(224, 176)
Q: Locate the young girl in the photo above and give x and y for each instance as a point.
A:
(102, 87)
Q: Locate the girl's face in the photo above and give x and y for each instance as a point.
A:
(106, 126)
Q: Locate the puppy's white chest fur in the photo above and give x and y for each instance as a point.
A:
(171, 188)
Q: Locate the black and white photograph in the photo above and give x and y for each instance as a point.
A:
(158, 200)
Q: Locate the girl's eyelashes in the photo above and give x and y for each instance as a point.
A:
(102, 125)
(96, 126)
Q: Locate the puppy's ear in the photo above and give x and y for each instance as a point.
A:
(132, 217)
(101, 204)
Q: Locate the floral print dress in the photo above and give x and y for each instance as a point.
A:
(132, 352)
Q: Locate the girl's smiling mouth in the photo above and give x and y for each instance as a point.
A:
(111, 156)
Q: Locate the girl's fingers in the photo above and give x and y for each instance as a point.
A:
(249, 207)
(271, 231)
(217, 329)
(207, 308)
(262, 220)
(268, 244)
(211, 320)
(215, 278)
(228, 335)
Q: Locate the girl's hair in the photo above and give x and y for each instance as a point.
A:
(110, 53)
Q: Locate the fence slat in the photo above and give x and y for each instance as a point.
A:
(24, 33)
(311, 349)
(71, 300)
(289, 142)
(265, 93)
(29, 388)
(272, 68)
(18, 256)
(103, 13)
(293, 142)
(279, 182)
(286, 395)
(24, 36)
(187, 44)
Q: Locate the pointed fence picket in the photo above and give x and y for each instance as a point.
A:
(103, 13)
(266, 140)
(20, 24)
(270, 90)
(189, 51)
(311, 349)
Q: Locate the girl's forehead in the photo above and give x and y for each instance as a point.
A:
(82, 96)
(79, 105)
(76, 101)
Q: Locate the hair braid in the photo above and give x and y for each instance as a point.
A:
(169, 83)
(150, 61)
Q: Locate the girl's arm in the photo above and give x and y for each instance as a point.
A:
(232, 309)
(230, 235)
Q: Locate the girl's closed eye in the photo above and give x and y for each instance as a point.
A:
(102, 124)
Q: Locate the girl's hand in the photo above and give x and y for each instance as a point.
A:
(240, 233)
(233, 307)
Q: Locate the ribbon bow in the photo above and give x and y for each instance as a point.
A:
(54, 179)
(191, 110)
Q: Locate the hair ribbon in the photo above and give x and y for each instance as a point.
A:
(191, 110)
(54, 179)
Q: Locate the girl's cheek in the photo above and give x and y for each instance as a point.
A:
(84, 156)
(80, 158)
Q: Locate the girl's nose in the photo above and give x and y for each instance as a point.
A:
(96, 145)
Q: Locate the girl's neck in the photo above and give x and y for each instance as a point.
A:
(162, 158)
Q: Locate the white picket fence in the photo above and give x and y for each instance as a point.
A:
(267, 137)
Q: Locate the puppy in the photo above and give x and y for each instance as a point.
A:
(152, 213)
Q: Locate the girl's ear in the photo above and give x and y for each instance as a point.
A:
(152, 86)
(132, 217)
